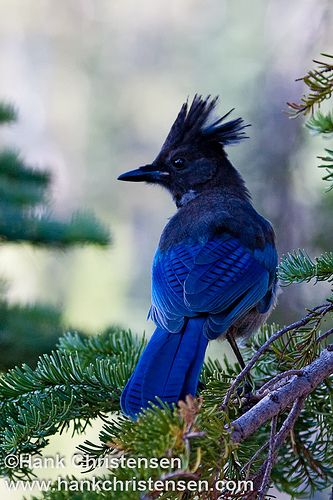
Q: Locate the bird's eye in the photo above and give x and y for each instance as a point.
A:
(178, 163)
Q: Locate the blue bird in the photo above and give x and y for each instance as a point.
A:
(214, 272)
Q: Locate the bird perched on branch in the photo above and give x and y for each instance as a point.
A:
(214, 272)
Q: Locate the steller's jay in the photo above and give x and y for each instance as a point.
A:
(214, 272)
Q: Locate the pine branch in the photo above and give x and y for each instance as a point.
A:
(26, 332)
(320, 84)
(17, 226)
(269, 462)
(23, 189)
(65, 388)
(8, 113)
(328, 166)
(309, 469)
(279, 399)
(262, 478)
(121, 344)
(311, 321)
(13, 167)
(297, 267)
(71, 487)
(157, 431)
(19, 184)
(306, 471)
(197, 431)
(320, 123)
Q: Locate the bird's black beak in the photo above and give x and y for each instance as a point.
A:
(148, 173)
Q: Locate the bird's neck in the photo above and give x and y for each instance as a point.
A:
(227, 180)
(183, 199)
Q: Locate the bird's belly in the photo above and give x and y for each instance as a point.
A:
(244, 327)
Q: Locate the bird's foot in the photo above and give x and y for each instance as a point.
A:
(247, 388)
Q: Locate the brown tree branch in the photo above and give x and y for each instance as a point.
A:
(288, 389)
(283, 397)
(315, 315)
(324, 336)
(262, 475)
(278, 378)
(269, 462)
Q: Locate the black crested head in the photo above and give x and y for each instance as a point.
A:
(192, 158)
(194, 124)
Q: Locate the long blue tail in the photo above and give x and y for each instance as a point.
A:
(168, 368)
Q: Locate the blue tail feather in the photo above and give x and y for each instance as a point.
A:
(169, 368)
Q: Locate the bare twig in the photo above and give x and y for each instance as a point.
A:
(279, 376)
(289, 422)
(259, 478)
(247, 466)
(324, 336)
(190, 435)
(269, 462)
(179, 473)
(317, 308)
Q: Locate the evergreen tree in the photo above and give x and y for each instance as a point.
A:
(28, 331)
(280, 434)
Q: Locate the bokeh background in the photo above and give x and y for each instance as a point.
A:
(98, 84)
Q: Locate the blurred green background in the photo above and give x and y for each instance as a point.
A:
(98, 84)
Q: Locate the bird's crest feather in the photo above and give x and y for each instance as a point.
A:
(192, 124)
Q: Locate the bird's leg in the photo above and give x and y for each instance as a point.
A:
(246, 390)
(201, 386)
(231, 339)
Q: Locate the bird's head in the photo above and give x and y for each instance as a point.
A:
(192, 158)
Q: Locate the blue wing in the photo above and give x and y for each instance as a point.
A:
(219, 278)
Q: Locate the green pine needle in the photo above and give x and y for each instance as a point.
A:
(320, 123)
(8, 113)
(18, 226)
(84, 378)
(24, 194)
(297, 267)
(27, 332)
(320, 84)
(14, 168)
(328, 166)
(67, 388)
